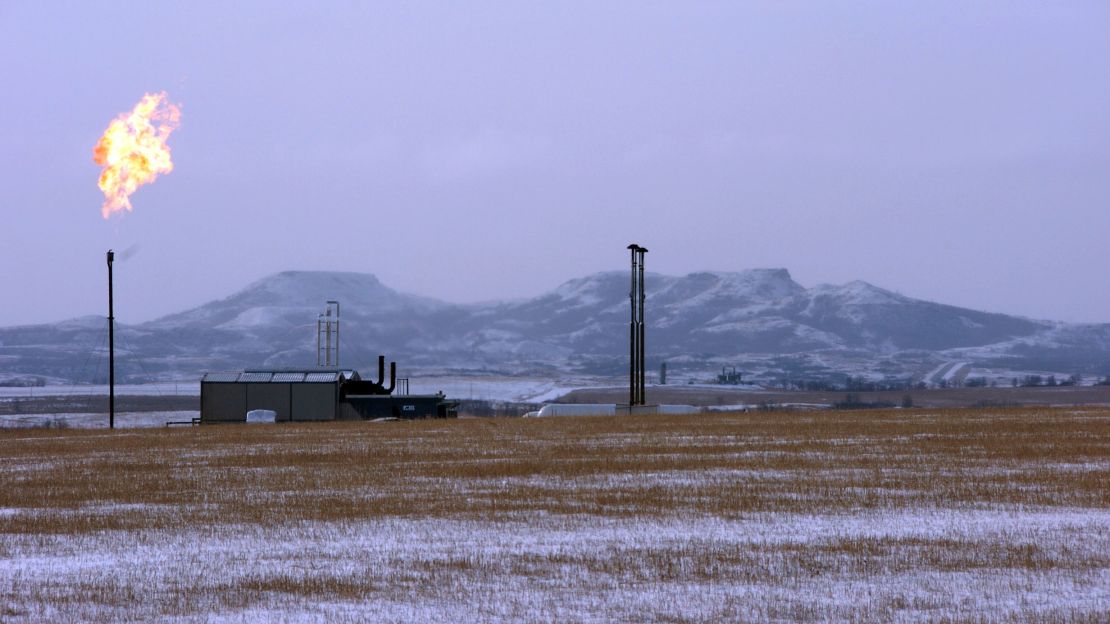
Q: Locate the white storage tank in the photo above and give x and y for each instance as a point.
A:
(577, 409)
(262, 416)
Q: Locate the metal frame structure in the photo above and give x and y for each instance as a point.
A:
(637, 296)
(328, 324)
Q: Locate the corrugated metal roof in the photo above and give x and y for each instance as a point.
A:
(255, 377)
(221, 377)
(281, 376)
(288, 377)
(321, 377)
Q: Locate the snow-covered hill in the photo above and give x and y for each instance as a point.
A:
(760, 319)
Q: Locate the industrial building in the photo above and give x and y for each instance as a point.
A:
(314, 395)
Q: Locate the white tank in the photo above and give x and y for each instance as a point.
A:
(261, 416)
(577, 409)
(608, 409)
(676, 409)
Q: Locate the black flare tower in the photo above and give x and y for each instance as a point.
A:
(636, 328)
(111, 348)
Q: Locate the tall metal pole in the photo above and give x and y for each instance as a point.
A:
(336, 331)
(643, 369)
(632, 333)
(327, 337)
(111, 348)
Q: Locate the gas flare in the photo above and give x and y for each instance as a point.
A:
(133, 150)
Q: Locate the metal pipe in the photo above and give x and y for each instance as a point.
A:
(327, 337)
(336, 332)
(111, 348)
(392, 377)
(639, 334)
(632, 333)
(632, 330)
(643, 350)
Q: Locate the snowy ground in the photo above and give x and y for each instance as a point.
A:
(999, 515)
(516, 389)
(487, 388)
(98, 420)
(862, 567)
(494, 388)
(154, 389)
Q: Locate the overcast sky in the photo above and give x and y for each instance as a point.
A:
(952, 151)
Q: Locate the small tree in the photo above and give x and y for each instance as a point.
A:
(907, 401)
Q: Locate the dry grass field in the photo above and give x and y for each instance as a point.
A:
(946, 398)
(902, 515)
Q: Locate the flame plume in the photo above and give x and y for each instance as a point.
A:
(133, 150)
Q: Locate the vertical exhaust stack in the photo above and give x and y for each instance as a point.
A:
(379, 386)
(111, 348)
(643, 349)
(381, 370)
(637, 351)
(327, 324)
(336, 304)
(633, 333)
(369, 387)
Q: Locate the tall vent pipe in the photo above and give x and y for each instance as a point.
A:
(111, 348)
(327, 323)
(636, 348)
(643, 351)
(633, 334)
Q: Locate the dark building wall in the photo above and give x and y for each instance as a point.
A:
(223, 402)
(404, 406)
(227, 401)
(314, 401)
(346, 412)
(230, 402)
(269, 396)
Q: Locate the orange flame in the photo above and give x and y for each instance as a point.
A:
(133, 150)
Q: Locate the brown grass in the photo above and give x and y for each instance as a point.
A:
(159, 482)
(825, 463)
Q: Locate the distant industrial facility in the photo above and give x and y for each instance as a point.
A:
(315, 395)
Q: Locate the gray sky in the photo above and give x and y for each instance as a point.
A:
(952, 151)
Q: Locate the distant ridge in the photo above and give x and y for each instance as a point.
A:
(760, 319)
